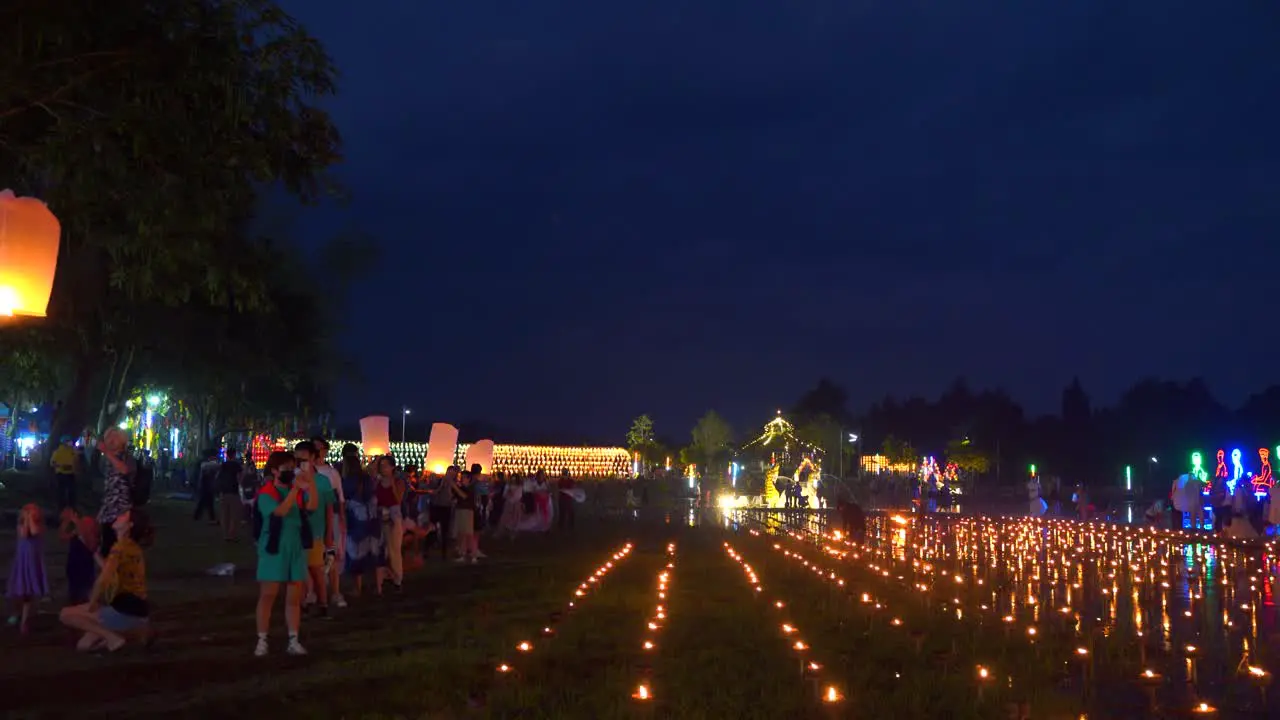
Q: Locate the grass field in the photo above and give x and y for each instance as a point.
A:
(721, 649)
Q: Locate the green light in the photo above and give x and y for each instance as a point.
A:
(1128, 478)
(1033, 471)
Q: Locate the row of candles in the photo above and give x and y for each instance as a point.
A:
(644, 688)
(1014, 548)
(592, 582)
(810, 669)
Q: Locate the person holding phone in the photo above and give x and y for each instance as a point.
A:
(283, 530)
(321, 554)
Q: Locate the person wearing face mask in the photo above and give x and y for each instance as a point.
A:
(105, 625)
(283, 530)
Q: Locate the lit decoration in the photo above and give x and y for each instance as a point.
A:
(1197, 466)
(1056, 587)
(375, 434)
(1220, 473)
(785, 456)
(658, 620)
(525, 647)
(809, 668)
(1237, 470)
(29, 239)
(879, 464)
(481, 453)
(1264, 480)
(772, 497)
(442, 449)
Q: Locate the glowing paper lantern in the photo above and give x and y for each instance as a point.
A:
(442, 446)
(29, 238)
(480, 452)
(375, 435)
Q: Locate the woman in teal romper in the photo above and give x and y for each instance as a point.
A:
(283, 538)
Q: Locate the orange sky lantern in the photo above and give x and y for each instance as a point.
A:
(480, 452)
(441, 448)
(375, 435)
(29, 239)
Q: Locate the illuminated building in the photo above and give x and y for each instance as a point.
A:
(583, 462)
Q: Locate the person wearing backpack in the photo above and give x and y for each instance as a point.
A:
(228, 487)
(283, 531)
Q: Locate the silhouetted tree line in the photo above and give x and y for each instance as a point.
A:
(1160, 419)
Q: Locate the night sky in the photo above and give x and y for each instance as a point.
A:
(589, 210)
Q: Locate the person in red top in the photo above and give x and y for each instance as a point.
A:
(566, 500)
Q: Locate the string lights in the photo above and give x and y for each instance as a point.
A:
(1065, 586)
(828, 693)
(583, 589)
(655, 624)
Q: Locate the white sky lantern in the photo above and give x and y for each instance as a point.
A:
(375, 435)
(29, 238)
(441, 448)
(480, 452)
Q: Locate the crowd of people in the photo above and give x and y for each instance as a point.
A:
(317, 530)
(1234, 512)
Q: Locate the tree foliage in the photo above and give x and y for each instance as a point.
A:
(712, 444)
(153, 128)
(641, 433)
(969, 460)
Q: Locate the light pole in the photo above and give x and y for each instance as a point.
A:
(853, 438)
(404, 416)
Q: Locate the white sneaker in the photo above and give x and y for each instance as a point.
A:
(460, 559)
(473, 560)
(480, 554)
(261, 649)
(339, 601)
(295, 648)
(310, 599)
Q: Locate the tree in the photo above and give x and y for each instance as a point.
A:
(826, 399)
(899, 452)
(641, 433)
(827, 435)
(152, 139)
(969, 460)
(712, 437)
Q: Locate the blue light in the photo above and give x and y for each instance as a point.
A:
(1237, 471)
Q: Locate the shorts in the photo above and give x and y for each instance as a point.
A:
(116, 621)
(315, 556)
(464, 523)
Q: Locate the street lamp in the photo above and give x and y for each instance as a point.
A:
(403, 417)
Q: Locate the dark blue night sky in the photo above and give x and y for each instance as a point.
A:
(669, 207)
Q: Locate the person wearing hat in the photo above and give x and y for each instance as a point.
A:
(65, 461)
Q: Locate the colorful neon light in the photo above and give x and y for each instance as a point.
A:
(1197, 466)
(1264, 480)
(1237, 471)
(1220, 472)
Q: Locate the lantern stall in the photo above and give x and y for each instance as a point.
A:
(441, 448)
(375, 435)
(29, 239)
